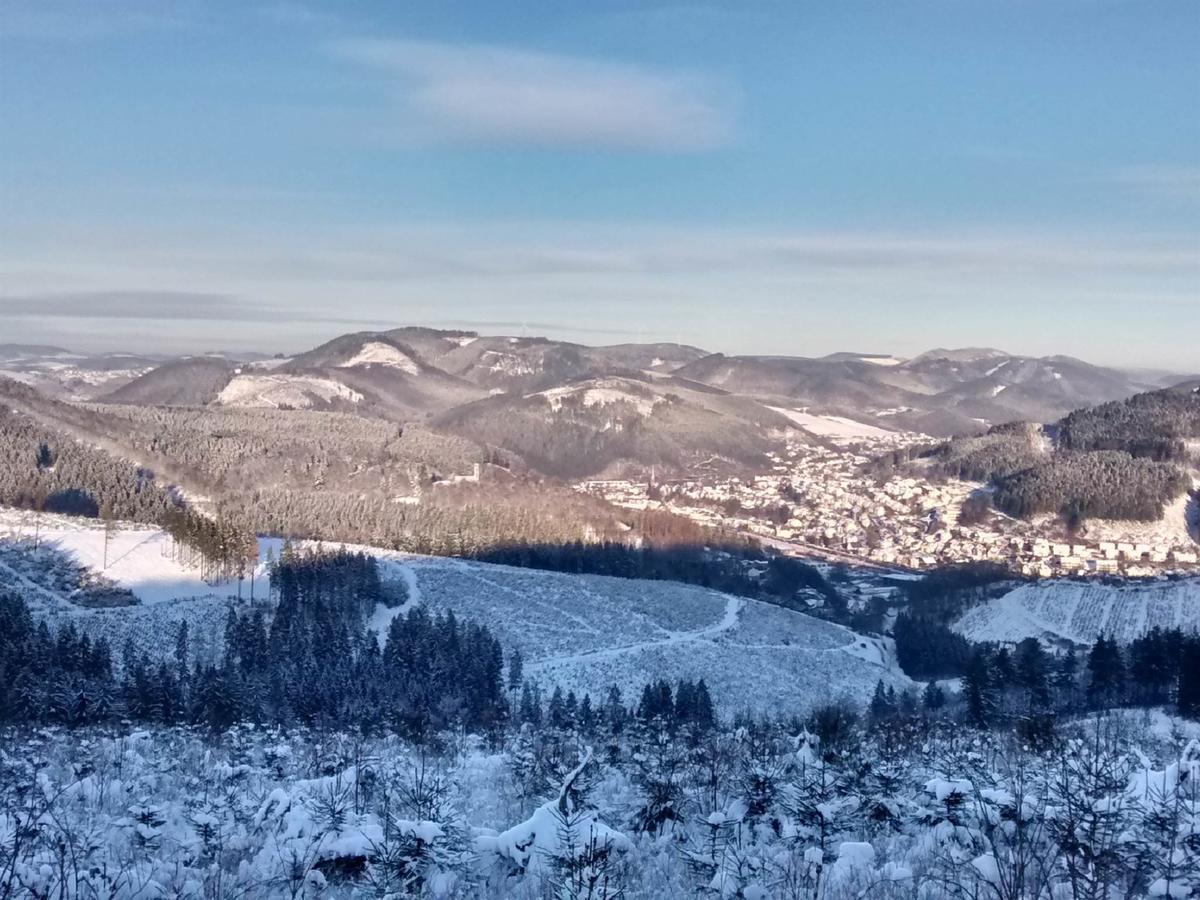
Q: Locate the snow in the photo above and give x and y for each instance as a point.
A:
(139, 556)
(603, 392)
(291, 818)
(1080, 611)
(584, 632)
(944, 788)
(1178, 527)
(275, 391)
(856, 854)
(272, 363)
(510, 364)
(377, 353)
(381, 619)
(534, 843)
(832, 426)
(988, 869)
(873, 650)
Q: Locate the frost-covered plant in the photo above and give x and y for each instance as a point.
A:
(1166, 825)
(563, 843)
(660, 770)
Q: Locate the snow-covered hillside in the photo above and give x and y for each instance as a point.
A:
(833, 427)
(54, 561)
(584, 632)
(377, 353)
(277, 390)
(1081, 611)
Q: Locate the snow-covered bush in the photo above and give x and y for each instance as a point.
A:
(256, 814)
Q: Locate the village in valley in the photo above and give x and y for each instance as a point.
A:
(825, 501)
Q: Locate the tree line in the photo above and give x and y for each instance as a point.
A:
(315, 662)
(736, 568)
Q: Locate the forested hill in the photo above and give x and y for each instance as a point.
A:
(1156, 425)
(1121, 460)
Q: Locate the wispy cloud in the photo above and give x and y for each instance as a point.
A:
(140, 304)
(515, 326)
(122, 304)
(499, 95)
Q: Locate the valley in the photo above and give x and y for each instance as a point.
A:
(374, 437)
(458, 575)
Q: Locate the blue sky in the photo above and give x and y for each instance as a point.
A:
(753, 177)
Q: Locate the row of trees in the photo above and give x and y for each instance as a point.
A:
(221, 550)
(736, 567)
(688, 707)
(1029, 685)
(315, 662)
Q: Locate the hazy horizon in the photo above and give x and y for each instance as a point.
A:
(517, 329)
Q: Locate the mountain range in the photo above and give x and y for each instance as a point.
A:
(573, 410)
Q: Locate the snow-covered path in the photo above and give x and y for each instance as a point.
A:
(382, 616)
(413, 595)
(729, 621)
(585, 633)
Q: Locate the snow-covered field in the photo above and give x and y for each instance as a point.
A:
(602, 392)
(276, 390)
(835, 427)
(377, 353)
(584, 632)
(42, 556)
(1081, 611)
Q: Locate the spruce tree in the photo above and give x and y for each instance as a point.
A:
(978, 690)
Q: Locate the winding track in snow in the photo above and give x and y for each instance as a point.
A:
(729, 621)
(531, 599)
(409, 574)
(381, 618)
